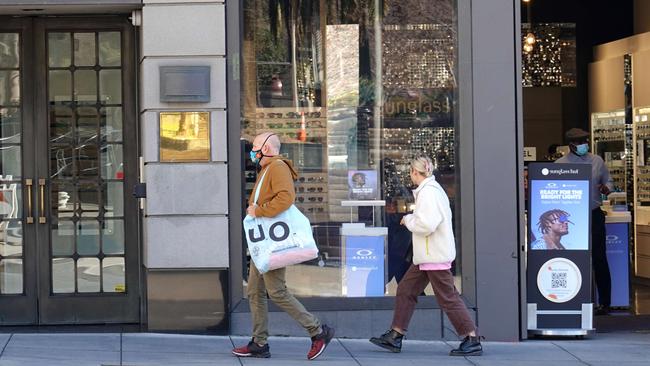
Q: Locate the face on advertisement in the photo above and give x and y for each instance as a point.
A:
(553, 225)
(560, 225)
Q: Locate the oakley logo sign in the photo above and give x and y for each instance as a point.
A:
(364, 252)
(279, 231)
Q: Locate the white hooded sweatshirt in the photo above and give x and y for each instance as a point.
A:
(430, 223)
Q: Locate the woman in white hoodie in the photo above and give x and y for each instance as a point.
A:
(434, 250)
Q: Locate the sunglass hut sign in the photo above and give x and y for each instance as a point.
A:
(559, 172)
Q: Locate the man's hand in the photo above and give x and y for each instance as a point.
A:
(401, 222)
(251, 210)
(603, 189)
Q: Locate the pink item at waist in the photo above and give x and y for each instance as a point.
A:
(435, 266)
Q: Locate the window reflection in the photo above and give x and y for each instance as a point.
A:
(185, 136)
(86, 161)
(9, 50)
(353, 89)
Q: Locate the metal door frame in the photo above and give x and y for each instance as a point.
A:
(38, 305)
(22, 308)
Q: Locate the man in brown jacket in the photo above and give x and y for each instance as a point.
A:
(277, 194)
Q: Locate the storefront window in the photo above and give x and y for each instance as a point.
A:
(355, 89)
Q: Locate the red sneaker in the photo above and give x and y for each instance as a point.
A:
(252, 349)
(320, 342)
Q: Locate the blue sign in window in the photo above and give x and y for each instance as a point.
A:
(364, 266)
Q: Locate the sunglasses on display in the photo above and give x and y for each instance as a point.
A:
(289, 115)
(310, 189)
(311, 179)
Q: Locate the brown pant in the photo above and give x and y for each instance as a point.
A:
(274, 283)
(412, 285)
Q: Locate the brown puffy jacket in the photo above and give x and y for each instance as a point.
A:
(277, 192)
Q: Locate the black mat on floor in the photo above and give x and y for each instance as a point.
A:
(621, 322)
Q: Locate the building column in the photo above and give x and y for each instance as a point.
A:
(185, 244)
(498, 161)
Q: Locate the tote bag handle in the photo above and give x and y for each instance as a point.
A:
(257, 190)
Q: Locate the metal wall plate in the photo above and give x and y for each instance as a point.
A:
(185, 84)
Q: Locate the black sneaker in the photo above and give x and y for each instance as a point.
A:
(470, 346)
(391, 340)
(252, 349)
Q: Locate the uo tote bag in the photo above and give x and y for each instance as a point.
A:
(280, 241)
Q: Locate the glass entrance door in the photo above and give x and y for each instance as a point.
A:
(78, 153)
(18, 293)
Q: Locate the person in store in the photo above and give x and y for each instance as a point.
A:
(397, 197)
(553, 153)
(601, 184)
(553, 225)
(434, 250)
(277, 194)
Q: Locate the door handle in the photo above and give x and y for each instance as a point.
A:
(42, 218)
(29, 183)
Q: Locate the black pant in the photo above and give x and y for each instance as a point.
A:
(599, 257)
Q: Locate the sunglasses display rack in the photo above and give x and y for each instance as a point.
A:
(295, 126)
(312, 195)
(290, 124)
(399, 145)
(642, 166)
(608, 141)
(319, 192)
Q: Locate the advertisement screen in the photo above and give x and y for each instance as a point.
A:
(559, 217)
(362, 185)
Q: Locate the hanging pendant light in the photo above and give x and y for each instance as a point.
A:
(530, 38)
(528, 48)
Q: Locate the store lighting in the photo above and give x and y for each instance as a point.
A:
(528, 48)
(530, 39)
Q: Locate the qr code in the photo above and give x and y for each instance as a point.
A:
(558, 280)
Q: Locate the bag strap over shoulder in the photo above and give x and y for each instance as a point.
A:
(259, 185)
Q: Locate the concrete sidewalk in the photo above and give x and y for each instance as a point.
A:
(79, 349)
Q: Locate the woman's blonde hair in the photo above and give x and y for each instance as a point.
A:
(423, 165)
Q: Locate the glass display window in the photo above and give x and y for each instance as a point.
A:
(354, 90)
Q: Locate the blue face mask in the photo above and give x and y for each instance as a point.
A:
(582, 149)
(257, 155)
(253, 156)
